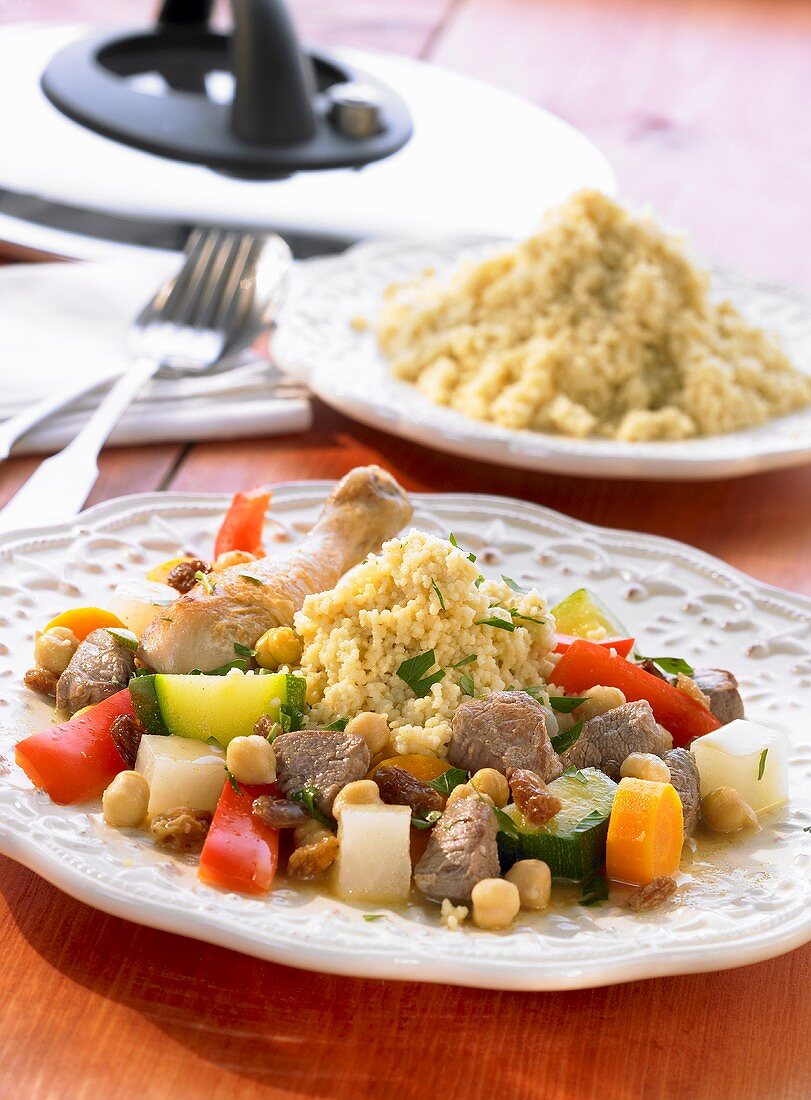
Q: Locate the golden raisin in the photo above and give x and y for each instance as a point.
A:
(126, 732)
(278, 813)
(182, 577)
(532, 797)
(313, 859)
(41, 681)
(400, 788)
(182, 828)
(656, 893)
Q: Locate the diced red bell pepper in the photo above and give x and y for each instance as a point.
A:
(240, 853)
(244, 522)
(585, 665)
(75, 761)
(623, 646)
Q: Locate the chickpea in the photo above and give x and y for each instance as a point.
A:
(466, 790)
(599, 700)
(251, 759)
(310, 832)
(126, 800)
(373, 728)
(495, 903)
(233, 557)
(644, 765)
(490, 782)
(278, 646)
(725, 811)
(363, 792)
(54, 649)
(533, 879)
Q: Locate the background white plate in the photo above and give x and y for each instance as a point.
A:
(743, 901)
(316, 343)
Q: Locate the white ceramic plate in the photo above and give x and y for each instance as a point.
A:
(317, 343)
(740, 902)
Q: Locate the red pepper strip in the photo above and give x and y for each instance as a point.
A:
(244, 522)
(75, 761)
(623, 646)
(584, 665)
(240, 853)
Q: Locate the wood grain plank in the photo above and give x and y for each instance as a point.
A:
(122, 470)
(104, 1000)
(698, 104)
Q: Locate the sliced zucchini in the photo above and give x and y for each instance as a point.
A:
(573, 842)
(217, 708)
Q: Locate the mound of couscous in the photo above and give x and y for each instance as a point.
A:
(421, 593)
(597, 326)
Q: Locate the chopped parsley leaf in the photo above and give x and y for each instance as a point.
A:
(471, 657)
(427, 821)
(439, 595)
(576, 774)
(564, 705)
(595, 890)
(499, 624)
(338, 726)
(253, 580)
(449, 779)
(205, 580)
(564, 741)
(124, 637)
(761, 768)
(479, 581)
(506, 823)
(467, 685)
(512, 584)
(373, 916)
(307, 796)
(243, 650)
(516, 614)
(232, 780)
(671, 665)
(453, 542)
(413, 670)
(239, 663)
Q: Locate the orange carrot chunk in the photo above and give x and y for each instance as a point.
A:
(84, 620)
(645, 833)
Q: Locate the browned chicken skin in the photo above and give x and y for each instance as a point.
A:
(199, 630)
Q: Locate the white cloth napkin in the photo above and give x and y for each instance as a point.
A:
(67, 321)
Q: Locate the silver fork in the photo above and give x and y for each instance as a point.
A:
(191, 323)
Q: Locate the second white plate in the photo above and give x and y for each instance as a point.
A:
(316, 343)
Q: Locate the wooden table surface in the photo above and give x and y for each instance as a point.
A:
(702, 107)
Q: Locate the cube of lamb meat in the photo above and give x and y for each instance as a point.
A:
(684, 777)
(461, 852)
(322, 759)
(721, 688)
(607, 739)
(505, 729)
(101, 666)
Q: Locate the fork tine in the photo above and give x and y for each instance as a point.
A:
(238, 292)
(216, 277)
(179, 304)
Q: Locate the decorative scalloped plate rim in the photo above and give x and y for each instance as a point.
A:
(317, 344)
(120, 875)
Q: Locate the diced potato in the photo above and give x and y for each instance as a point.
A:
(731, 757)
(138, 602)
(180, 772)
(374, 861)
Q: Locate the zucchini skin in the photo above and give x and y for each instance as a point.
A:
(570, 858)
(146, 706)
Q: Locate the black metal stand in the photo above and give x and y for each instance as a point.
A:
(280, 119)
